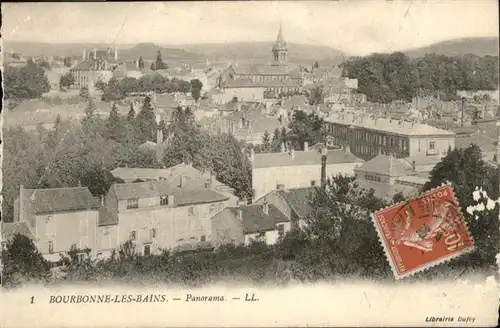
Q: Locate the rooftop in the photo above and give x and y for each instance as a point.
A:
(358, 120)
(299, 199)
(303, 158)
(60, 199)
(10, 229)
(386, 191)
(255, 220)
(386, 165)
(260, 70)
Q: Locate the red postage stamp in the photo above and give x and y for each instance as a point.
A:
(423, 232)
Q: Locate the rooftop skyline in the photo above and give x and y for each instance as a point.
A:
(357, 27)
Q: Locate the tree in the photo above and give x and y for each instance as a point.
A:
(316, 65)
(22, 261)
(141, 63)
(67, 61)
(466, 171)
(67, 80)
(97, 179)
(146, 122)
(196, 86)
(305, 128)
(27, 82)
(234, 100)
(84, 92)
(316, 96)
(131, 114)
(114, 126)
(266, 142)
(100, 85)
(160, 64)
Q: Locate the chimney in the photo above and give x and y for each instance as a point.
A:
(137, 63)
(95, 53)
(116, 53)
(282, 147)
(324, 153)
(306, 146)
(102, 200)
(265, 207)
(84, 55)
(413, 166)
(180, 181)
(292, 153)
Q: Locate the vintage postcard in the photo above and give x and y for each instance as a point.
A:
(250, 164)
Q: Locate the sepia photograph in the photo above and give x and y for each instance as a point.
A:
(250, 164)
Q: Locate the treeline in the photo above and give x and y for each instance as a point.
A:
(387, 77)
(27, 82)
(338, 241)
(74, 154)
(117, 89)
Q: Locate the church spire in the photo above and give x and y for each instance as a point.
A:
(280, 50)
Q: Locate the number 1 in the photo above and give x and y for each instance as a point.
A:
(32, 299)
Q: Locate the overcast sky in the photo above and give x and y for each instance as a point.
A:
(355, 27)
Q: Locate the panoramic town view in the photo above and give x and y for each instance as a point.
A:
(257, 161)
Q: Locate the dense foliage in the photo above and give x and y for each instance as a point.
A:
(387, 77)
(117, 89)
(84, 153)
(27, 82)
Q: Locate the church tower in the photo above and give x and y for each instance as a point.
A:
(280, 51)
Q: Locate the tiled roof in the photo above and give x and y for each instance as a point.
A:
(387, 125)
(260, 125)
(255, 220)
(303, 158)
(106, 217)
(386, 191)
(299, 199)
(133, 173)
(199, 196)
(10, 229)
(290, 103)
(261, 70)
(60, 199)
(387, 165)
(146, 189)
(84, 65)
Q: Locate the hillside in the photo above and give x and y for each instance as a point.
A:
(126, 51)
(477, 46)
(261, 52)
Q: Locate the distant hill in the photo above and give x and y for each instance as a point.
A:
(261, 52)
(126, 51)
(477, 46)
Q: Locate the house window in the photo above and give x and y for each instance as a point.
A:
(132, 203)
(281, 230)
(163, 200)
(147, 250)
(133, 235)
(191, 211)
(432, 145)
(51, 247)
(192, 238)
(203, 238)
(212, 208)
(49, 219)
(313, 183)
(153, 233)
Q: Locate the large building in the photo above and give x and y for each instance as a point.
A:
(157, 215)
(57, 219)
(298, 169)
(96, 65)
(370, 136)
(268, 81)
